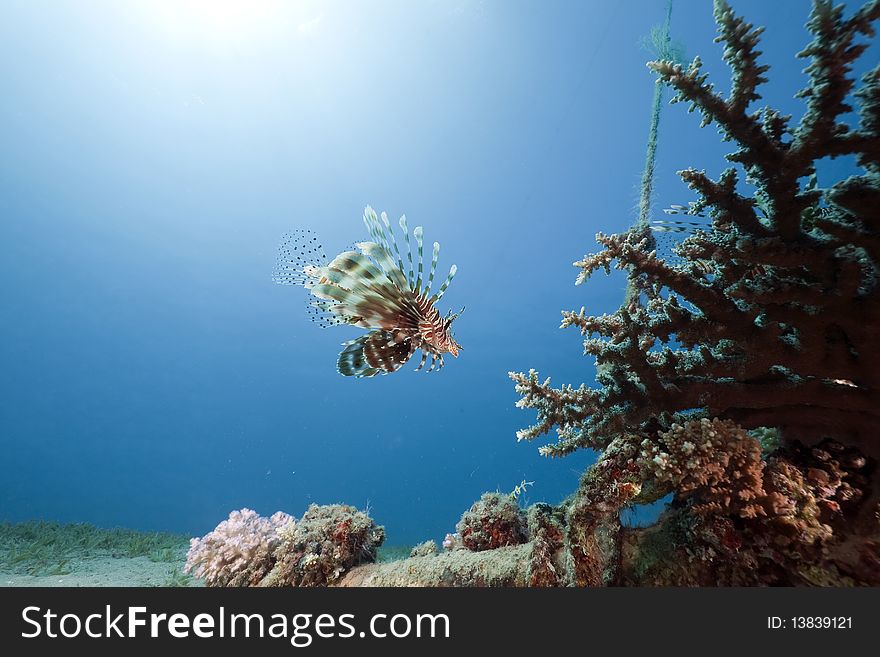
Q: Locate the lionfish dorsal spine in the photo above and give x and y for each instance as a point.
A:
(445, 285)
(390, 234)
(434, 259)
(371, 221)
(380, 254)
(405, 230)
(418, 233)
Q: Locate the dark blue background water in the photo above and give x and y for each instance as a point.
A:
(151, 158)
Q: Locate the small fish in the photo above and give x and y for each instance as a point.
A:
(669, 231)
(369, 289)
(678, 226)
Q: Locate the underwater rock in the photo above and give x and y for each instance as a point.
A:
(493, 521)
(426, 549)
(327, 541)
(507, 566)
(239, 552)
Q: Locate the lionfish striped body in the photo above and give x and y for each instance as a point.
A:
(369, 289)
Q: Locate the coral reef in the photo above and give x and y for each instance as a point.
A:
(327, 541)
(797, 537)
(769, 316)
(767, 321)
(715, 461)
(493, 521)
(240, 551)
(741, 377)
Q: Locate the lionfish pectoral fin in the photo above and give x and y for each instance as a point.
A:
(377, 352)
(422, 362)
(352, 361)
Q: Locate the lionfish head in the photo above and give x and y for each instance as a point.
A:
(447, 341)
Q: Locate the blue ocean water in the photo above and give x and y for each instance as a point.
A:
(154, 153)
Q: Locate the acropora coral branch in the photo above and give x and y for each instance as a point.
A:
(770, 316)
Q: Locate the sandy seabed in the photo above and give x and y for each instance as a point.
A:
(104, 571)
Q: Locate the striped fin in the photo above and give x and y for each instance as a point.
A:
(376, 352)
(370, 309)
(352, 361)
(446, 283)
(374, 228)
(354, 288)
(434, 258)
(390, 235)
(383, 258)
(418, 233)
(403, 227)
(382, 235)
(350, 270)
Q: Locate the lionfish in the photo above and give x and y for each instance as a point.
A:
(368, 288)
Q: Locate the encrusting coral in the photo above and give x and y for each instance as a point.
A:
(716, 461)
(493, 521)
(326, 542)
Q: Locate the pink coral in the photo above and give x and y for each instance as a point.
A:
(239, 551)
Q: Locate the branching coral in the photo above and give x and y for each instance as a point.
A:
(770, 317)
(239, 552)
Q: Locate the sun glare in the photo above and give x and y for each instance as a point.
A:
(220, 23)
